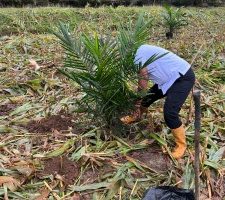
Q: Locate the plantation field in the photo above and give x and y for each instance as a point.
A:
(52, 149)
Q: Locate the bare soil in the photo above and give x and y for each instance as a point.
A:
(90, 176)
(5, 109)
(55, 122)
(95, 175)
(62, 166)
(153, 157)
(80, 197)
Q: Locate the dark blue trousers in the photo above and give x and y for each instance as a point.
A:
(175, 98)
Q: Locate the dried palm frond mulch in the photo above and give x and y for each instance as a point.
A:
(50, 149)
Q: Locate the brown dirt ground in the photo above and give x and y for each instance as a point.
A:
(89, 176)
(5, 109)
(55, 122)
(80, 197)
(153, 157)
(95, 175)
(62, 166)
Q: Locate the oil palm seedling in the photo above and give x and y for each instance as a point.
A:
(104, 68)
(173, 19)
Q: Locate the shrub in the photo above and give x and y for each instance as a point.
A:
(182, 2)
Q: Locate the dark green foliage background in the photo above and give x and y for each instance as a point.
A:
(82, 3)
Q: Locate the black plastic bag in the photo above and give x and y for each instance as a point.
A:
(168, 193)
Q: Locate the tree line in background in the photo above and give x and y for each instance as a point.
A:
(82, 3)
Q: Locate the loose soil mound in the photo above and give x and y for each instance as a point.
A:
(55, 122)
(63, 167)
(153, 157)
(5, 109)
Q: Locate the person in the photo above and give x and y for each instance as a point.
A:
(173, 79)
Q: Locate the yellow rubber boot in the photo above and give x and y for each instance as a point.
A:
(180, 140)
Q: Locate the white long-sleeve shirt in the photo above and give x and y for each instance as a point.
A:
(165, 70)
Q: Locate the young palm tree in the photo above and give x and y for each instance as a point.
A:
(173, 19)
(103, 67)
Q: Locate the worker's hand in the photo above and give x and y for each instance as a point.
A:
(135, 116)
(129, 119)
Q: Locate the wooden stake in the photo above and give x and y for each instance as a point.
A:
(196, 95)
